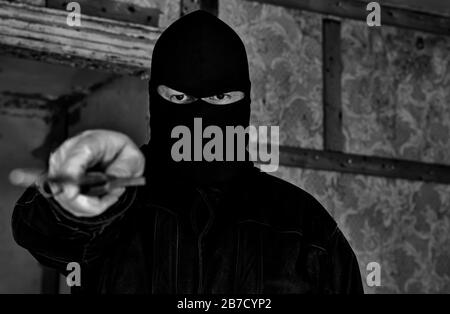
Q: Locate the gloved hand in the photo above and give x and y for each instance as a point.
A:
(115, 154)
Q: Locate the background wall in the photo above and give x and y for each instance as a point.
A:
(28, 112)
(395, 99)
(31, 96)
(395, 96)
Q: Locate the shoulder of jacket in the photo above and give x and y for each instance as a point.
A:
(288, 208)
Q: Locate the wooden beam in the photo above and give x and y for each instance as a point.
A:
(333, 136)
(39, 3)
(114, 10)
(438, 7)
(42, 34)
(365, 165)
(353, 9)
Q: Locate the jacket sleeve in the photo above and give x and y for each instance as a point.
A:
(55, 237)
(345, 274)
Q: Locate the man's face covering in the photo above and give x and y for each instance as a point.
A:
(199, 70)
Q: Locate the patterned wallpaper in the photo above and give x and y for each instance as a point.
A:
(396, 92)
(285, 57)
(395, 98)
(402, 225)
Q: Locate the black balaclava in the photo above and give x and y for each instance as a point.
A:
(201, 56)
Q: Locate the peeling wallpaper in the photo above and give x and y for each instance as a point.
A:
(285, 58)
(396, 92)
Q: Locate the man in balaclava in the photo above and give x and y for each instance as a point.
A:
(197, 226)
(199, 70)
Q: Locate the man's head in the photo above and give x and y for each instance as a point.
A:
(199, 70)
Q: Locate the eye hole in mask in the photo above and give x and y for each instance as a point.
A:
(174, 96)
(224, 98)
(181, 98)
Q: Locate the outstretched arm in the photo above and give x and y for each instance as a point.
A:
(73, 227)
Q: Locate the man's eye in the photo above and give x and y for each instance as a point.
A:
(181, 99)
(174, 96)
(224, 98)
(177, 98)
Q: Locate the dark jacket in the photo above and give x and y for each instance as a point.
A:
(258, 235)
